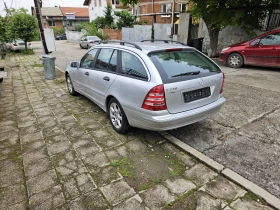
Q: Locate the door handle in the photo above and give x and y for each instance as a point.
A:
(87, 73)
(106, 78)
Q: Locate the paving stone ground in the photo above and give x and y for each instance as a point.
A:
(60, 152)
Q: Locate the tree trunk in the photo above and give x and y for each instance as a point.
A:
(25, 44)
(214, 38)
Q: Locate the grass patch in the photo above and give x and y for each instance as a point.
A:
(27, 52)
(38, 65)
(251, 196)
(151, 184)
(124, 167)
(59, 81)
(176, 167)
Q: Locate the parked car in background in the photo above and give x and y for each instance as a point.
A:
(89, 41)
(61, 37)
(149, 85)
(263, 50)
(18, 45)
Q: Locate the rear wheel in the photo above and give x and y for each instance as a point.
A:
(235, 60)
(1, 79)
(117, 117)
(81, 46)
(70, 86)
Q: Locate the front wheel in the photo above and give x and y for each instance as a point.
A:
(70, 86)
(117, 117)
(81, 46)
(235, 60)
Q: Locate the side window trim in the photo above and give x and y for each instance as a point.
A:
(140, 59)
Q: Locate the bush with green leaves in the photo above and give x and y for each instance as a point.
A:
(58, 31)
(126, 19)
(22, 26)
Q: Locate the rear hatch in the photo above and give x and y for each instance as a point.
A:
(191, 80)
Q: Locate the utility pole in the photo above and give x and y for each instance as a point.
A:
(39, 18)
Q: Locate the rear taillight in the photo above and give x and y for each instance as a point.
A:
(91, 42)
(222, 88)
(15, 44)
(29, 44)
(155, 99)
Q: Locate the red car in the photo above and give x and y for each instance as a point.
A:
(263, 50)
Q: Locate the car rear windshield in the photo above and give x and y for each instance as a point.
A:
(93, 38)
(183, 63)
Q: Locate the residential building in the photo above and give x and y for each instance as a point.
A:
(96, 8)
(161, 10)
(67, 17)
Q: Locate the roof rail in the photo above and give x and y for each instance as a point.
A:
(122, 43)
(163, 40)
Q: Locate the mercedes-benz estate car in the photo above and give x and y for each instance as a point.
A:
(154, 85)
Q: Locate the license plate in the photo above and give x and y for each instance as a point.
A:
(197, 94)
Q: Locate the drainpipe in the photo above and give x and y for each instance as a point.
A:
(172, 20)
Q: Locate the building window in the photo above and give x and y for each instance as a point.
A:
(115, 2)
(51, 23)
(100, 3)
(182, 7)
(165, 8)
(95, 3)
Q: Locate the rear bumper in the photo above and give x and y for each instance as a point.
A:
(169, 121)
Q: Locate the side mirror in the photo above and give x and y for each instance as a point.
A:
(74, 64)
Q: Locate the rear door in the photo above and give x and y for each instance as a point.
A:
(190, 79)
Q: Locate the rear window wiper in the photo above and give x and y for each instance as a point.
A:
(187, 73)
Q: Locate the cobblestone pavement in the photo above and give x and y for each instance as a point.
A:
(60, 152)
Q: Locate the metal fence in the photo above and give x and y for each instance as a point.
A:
(272, 21)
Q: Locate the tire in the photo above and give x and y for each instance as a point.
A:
(81, 46)
(88, 46)
(1, 79)
(70, 86)
(117, 117)
(235, 60)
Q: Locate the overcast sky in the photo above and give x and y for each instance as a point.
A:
(46, 3)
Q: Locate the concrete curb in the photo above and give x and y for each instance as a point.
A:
(250, 186)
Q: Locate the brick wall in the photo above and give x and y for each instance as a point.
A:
(113, 33)
(147, 9)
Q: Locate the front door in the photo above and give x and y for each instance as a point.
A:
(105, 72)
(265, 52)
(85, 69)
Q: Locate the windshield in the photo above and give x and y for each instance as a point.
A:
(183, 63)
(93, 38)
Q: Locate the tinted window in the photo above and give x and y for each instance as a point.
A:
(132, 66)
(87, 60)
(272, 39)
(181, 62)
(103, 59)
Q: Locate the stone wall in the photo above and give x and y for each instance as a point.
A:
(228, 36)
(73, 35)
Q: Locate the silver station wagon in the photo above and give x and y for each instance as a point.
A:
(154, 85)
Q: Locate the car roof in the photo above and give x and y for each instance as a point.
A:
(148, 46)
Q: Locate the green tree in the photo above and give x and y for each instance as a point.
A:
(217, 14)
(99, 22)
(3, 29)
(126, 19)
(92, 30)
(127, 2)
(22, 26)
(108, 18)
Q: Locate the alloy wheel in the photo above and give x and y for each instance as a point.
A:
(116, 115)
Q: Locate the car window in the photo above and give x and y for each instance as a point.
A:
(103, 59)
(271, 39)
(177, 63)
(253, 43)
(87, 60)
(113, 62)
(132, 66)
